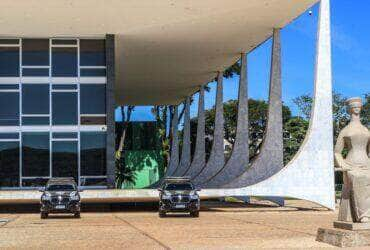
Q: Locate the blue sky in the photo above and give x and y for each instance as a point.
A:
(350, 23)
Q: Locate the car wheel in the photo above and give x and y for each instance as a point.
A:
(162, 214)
(194, 214)
(77, 215)
(43, 215)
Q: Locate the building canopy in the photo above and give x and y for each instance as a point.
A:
(165, 49)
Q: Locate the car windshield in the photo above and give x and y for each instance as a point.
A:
(179, 186)
(60, 187)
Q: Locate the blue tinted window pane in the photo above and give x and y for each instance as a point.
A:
(93, 158)
(65, 86)
(92, 52)
(35, 72)
(92, 72)
(65, 160)
(9, 109)
(9, 61)
(35, 154)
(9, 164)
(35, 52)
(64, 108)
(63, 135)
(9, 136)
(9, 86)
(35, 98)
(92, 98)
(35, 121)
(64, 62)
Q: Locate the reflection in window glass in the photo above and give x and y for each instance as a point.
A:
(64, 61)
(64, 108)
(35, 120)
(93, 147)
(64, 159)
(35, 99)
(92, 98)
(35, 52)
(92, 52)
(9, 61)
(93, 120)
(9, 164)
(35, 154)
(94, 182)
(37, 182)
(9, 108)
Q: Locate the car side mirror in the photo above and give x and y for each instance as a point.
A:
(80, 190)
(198, 189)
(160, 189)
(41, 189)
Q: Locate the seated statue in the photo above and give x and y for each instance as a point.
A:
(355, 202)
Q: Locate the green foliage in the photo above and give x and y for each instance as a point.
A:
(233, 70)
(123, 173)
(257, 123)
(294, 131)
(365, 114)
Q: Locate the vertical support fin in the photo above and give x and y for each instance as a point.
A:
(239, 158)
(174, 159)
(186, 152)
(199, 159)
(270, 159)
(217, 157)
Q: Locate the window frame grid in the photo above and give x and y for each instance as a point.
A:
(51, 81)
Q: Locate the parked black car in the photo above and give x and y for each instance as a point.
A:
(60, 195)
(178, 195)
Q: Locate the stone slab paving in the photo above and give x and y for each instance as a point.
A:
(220, 226)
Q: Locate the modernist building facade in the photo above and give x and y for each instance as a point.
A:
(52, 111)
(65, 65)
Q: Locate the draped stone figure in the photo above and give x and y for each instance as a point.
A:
(355, 137)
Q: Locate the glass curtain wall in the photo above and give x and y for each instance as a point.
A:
(52, 111)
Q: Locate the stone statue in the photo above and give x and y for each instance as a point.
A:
(355, 202)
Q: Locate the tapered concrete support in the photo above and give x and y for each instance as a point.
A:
(174, 158)
(199, 159)
(310, 174)
(110, 107)
(239, 158)
(186, 150)
(270, 159)
(217, 157)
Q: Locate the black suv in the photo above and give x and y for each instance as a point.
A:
(60, 196)
(178, 195)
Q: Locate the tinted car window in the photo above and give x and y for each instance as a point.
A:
(60, 187)
(179, 186)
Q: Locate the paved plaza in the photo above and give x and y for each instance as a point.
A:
(220, 226)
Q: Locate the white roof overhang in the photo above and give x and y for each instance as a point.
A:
(165, 49)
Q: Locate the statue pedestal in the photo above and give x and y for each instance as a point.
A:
(345, 234)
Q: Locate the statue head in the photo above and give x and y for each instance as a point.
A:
(354, 105)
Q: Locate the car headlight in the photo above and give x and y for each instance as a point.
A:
(166, 195)
(74, 196)
(46, 196)
(194, 195)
